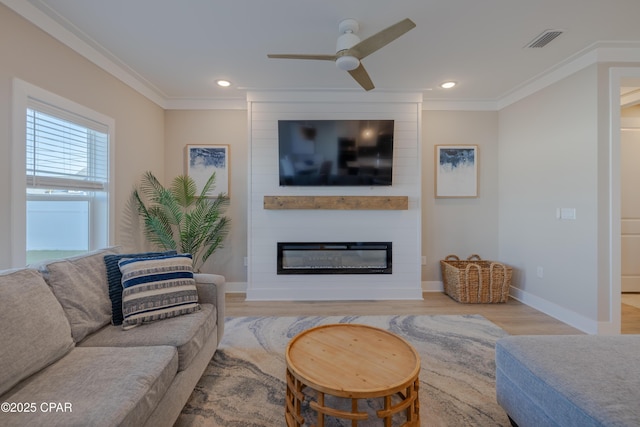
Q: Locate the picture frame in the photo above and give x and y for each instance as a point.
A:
(456, 171)
(202, 160)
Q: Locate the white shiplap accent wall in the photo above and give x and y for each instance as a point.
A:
(267, 227)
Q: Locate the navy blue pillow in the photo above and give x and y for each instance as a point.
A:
(114, 278)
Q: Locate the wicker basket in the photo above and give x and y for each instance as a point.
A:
(475, 280)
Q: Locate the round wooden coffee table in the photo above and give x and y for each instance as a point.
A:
(352, 361)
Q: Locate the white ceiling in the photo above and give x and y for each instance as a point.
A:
(177, 49)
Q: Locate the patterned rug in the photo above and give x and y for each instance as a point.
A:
(244, 383)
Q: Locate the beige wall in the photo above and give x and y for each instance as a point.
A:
(184, 127)
(550, 157)
(467, 225)
(33, 56)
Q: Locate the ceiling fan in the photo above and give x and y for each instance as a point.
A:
(350, 50)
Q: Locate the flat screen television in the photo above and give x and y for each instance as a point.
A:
(335, 152)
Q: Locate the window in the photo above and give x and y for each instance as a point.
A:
(65, 151)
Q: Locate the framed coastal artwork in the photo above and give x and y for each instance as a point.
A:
(456, 169)
(203, 160)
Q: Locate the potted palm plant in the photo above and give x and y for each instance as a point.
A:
(178, 218)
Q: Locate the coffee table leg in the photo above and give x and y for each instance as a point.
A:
(321, 414)
(413, 411)
(387, 407)
(293, 404)
(354, 409)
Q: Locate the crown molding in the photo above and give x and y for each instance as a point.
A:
(205, 104)
(458, 105)
(350, 95)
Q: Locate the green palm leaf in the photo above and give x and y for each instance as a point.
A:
(178, 218)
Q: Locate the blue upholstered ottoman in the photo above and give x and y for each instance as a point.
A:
(576, 380)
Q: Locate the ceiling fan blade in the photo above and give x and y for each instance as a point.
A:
(294, 56)
(362, 77)
(380, 39)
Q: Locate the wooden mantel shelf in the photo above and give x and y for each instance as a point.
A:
(337, 202)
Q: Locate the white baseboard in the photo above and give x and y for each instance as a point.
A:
(432, 286)
(569, 317)
(427, 286)
(236, 288)
(342, 294)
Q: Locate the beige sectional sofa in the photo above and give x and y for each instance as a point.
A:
(63, 362)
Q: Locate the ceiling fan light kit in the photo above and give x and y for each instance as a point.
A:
(347, 63)
(350, 50)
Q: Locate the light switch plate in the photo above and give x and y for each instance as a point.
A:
(568, 213)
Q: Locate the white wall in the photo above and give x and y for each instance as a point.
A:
(548, 159)
(33, 56)
(267, 227)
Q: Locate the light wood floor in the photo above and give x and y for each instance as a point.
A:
(630, 319)
(512, 316)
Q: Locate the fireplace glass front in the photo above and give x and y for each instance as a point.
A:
(335, 258)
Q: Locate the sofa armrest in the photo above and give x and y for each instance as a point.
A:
(211, 290)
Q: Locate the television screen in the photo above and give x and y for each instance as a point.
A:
(335, 152)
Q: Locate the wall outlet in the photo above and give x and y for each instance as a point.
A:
(540, 272)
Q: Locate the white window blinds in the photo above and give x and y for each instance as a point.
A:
(65, 151)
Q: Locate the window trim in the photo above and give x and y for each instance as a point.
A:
(22, 92)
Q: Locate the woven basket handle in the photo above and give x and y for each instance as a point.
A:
(504, 277)
(452, 258)
(474, 257)
(467, 286)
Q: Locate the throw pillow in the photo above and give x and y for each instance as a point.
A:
(157, 288)
(114, 280)
(80, 284)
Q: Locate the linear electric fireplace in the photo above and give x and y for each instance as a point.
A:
(334, 258)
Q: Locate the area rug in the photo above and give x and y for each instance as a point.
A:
(244, 383)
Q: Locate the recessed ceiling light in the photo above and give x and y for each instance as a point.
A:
(447, 85)
(224, 83)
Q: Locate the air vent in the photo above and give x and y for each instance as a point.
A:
(545, 38)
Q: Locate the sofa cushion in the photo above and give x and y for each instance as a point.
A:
(80, 284)
(96, 387)
(187, 333)
(570, 380)
(34, 331)
(157, 288)
(114, 280)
